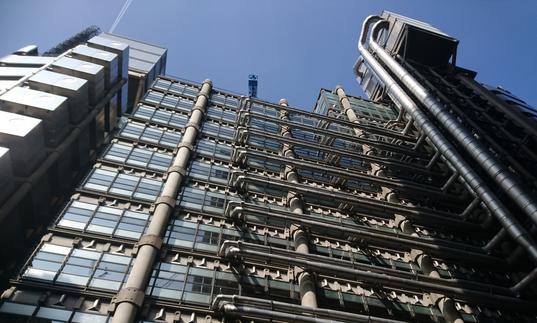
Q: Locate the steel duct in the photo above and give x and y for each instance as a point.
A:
(499, 173)
(496, 207)
(241, 306)
(234, 249)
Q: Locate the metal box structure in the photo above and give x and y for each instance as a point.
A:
(73, 106)
(24, 136)
(74, 88)
(50, 108)
(7, 183)
(91, 72)
(106, 59)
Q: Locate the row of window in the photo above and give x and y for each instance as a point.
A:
(218, 114)
(103, 220)
(215, 130)
(144, 157)
(207, 172)
(174, 87)
(70, 266)
(50, 314)
(159, 116)
(122, 184)
(151, 134)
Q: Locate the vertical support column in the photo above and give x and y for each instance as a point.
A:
(306, 281)
(445, 304)
(376, 169)
(130, 298)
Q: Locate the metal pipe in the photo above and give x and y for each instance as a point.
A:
(148, 251)
(517, 232)
(346, 173)
(416, 213)
(306, 283)
(440, 248)
(499, 173)
(384, 161)
(485, 297)
(278, 308)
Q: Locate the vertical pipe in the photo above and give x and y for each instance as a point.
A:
(149, 249)
(481, 154)
(445, 304)
(496, 207)
(306, 281)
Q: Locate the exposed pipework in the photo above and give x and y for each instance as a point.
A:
(131, 296)
(306, 281)
(243, 306)
(499, 173)
(445, 249)
(419, 283)
(496, 207)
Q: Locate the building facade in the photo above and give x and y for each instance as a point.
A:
(208, 206)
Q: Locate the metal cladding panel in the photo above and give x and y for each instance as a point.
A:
(6, 84)
(15, 72)
(51, 108)
(119, 48)
(419, 41)
(29, 61)
(24, 136)
(107, 59)
(76, 89)
(6, 174)
(94, 73)
(155, 56)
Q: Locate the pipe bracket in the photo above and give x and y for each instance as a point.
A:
(192, 124)
(147, 239)
(163, 199)
(128, 294)
(177, 169)
(187, 146)
(197, 107)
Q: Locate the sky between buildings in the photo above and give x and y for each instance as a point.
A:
(295, 46)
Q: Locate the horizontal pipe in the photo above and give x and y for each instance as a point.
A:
(425, 277)
(516, 231)
(484, 158)
(439, 248)
(418, 214)
(378, 144)
(376, 278)
(368, 128)
(368, 158)
(346, 173)
(278, 308)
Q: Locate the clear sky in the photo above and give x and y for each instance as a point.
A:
(295, 46)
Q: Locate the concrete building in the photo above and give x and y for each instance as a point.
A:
(208, 206)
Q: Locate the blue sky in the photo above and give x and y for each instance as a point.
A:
(295, 46)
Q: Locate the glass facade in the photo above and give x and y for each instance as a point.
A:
(370, 209)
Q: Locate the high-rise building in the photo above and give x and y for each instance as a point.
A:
(208, 206)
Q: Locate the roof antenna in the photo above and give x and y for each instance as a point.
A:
(120, 15)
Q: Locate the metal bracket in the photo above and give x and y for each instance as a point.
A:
(150, 239)
(131, 295)
(197, 107)
(168, 200)
(177, 169)
(194, 125)
(183, 144)
(203, 95)
(147, 239)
